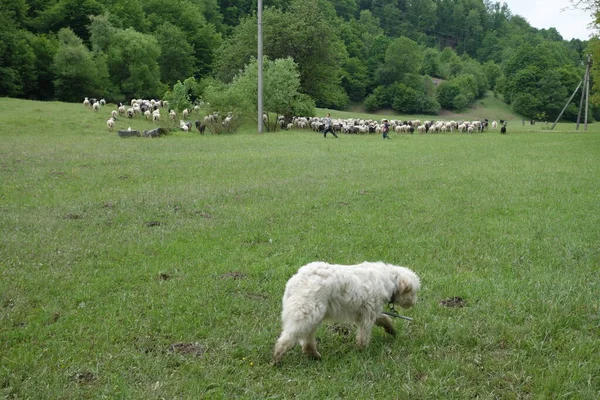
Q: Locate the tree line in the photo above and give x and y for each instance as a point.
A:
(415, 56)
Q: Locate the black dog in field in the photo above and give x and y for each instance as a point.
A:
(201, 127)
(503, 129)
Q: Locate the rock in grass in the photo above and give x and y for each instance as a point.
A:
(129, 133)
(154, 132)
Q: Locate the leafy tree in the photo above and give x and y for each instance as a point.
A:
(446, 93)
(402, 56)
(381, 97)
(422, 14)
(286, 34)
(345, 8)
(132, 63)
(355, 79)
(431, 63)
(129, 14)
(406, 100)
(389, 14)
(473, 68)
(460, 102)
(44, 48)
(176, 58)
(281, 91)
(474, 32)
(179, 98)
(17, 59)
(492, 72)
(187, 16)
(73, 14)
(101, 32)
(526, 104)
(74, 68)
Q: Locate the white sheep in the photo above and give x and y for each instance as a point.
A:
(156, 116)
(494, 125)
(114, 114)
(110, 124)
(86, 102)
(147, 114)
(102, 102)
(96, 106)
(183, 125)
(185, 113)
(172, 114)
(121, 110)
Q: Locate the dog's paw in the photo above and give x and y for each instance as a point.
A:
(313, 354)
(390, 331)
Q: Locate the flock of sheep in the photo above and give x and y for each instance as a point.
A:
(151, 111)
(361, 126)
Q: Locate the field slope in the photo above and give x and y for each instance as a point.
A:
(154, 268)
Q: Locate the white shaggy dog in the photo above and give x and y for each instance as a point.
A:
(345, 293)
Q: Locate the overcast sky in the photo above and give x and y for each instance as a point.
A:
(551, 14)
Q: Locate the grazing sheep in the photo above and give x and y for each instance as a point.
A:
(200, 126)
(494, 124)
(114, 114)
(96, 106)
(121, 110)
(86, 102)
(102, 102)
(184, 126)
(156, 115)
(185, 113)
(148, 114)
(110, 124)
(173, 115)
(130, 112)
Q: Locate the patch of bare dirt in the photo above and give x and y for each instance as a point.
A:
(192, 349)
(455, 302)
(255, 296)
(164, 277)
(83, 377)
(203, 214)
(235, 275)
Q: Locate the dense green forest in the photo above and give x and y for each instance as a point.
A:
(415, 56)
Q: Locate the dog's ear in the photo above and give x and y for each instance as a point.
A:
(404, 285)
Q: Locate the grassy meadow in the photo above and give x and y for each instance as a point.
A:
(154, 268)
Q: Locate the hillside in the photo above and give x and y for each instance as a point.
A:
(382, 54)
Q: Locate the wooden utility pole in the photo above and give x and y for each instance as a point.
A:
(585, 94)
(584, 91)
(260, 68)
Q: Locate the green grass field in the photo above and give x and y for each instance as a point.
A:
(154, 268)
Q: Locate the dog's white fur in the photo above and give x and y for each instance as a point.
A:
(345, 293)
